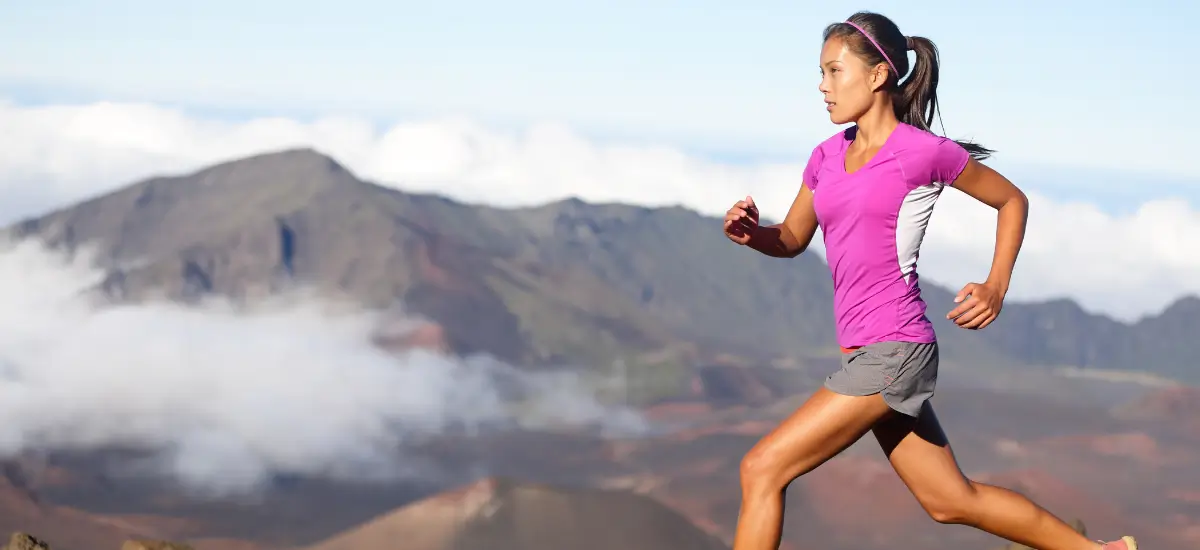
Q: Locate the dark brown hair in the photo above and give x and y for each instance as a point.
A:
(915, 99)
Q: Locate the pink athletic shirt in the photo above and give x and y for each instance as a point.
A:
(873, 221)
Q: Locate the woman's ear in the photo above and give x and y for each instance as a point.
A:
(879, 76)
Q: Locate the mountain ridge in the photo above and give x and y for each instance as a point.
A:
(562, 281)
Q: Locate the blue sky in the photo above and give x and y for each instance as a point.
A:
(1089, 104)
(1076, 84)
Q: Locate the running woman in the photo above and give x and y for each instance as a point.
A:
(871, 189)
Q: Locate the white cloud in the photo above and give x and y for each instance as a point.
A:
(224, 398)
(1124, 265)
(1128, 264)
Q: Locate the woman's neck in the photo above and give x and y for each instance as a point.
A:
(876, 125)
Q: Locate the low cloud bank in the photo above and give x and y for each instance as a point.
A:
(224, 398)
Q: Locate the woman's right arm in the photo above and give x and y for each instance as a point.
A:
(792, 237)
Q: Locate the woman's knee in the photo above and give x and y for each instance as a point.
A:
(949, 513)
(761, 469)
(952, 508)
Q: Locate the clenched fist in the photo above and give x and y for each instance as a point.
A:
(741, 220)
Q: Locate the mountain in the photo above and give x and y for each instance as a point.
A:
(499, 514)
(565, 282)
(22, 510)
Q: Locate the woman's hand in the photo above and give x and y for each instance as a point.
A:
(978, 305)
(741, 220)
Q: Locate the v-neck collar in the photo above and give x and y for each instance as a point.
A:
(846, 147)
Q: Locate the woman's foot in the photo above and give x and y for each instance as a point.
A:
(1126, 543)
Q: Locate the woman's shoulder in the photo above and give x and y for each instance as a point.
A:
(918, 139)
(829, 149)
(928, 157)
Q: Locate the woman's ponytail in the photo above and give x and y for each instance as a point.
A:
(915, 99)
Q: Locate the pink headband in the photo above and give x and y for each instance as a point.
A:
(876, 44)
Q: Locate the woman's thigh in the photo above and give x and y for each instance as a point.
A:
(818, 430)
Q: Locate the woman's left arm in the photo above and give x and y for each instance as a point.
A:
(979, 303)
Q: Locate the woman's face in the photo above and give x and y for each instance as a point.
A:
(847, 83)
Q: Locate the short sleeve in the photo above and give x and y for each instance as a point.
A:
(947, 161)
(813, 167)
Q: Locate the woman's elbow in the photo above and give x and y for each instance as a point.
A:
(1007, 197)
(1019, 199)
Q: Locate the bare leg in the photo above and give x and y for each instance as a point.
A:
(821, 428)
(921, 454)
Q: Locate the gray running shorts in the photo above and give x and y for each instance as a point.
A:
(904, 372)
